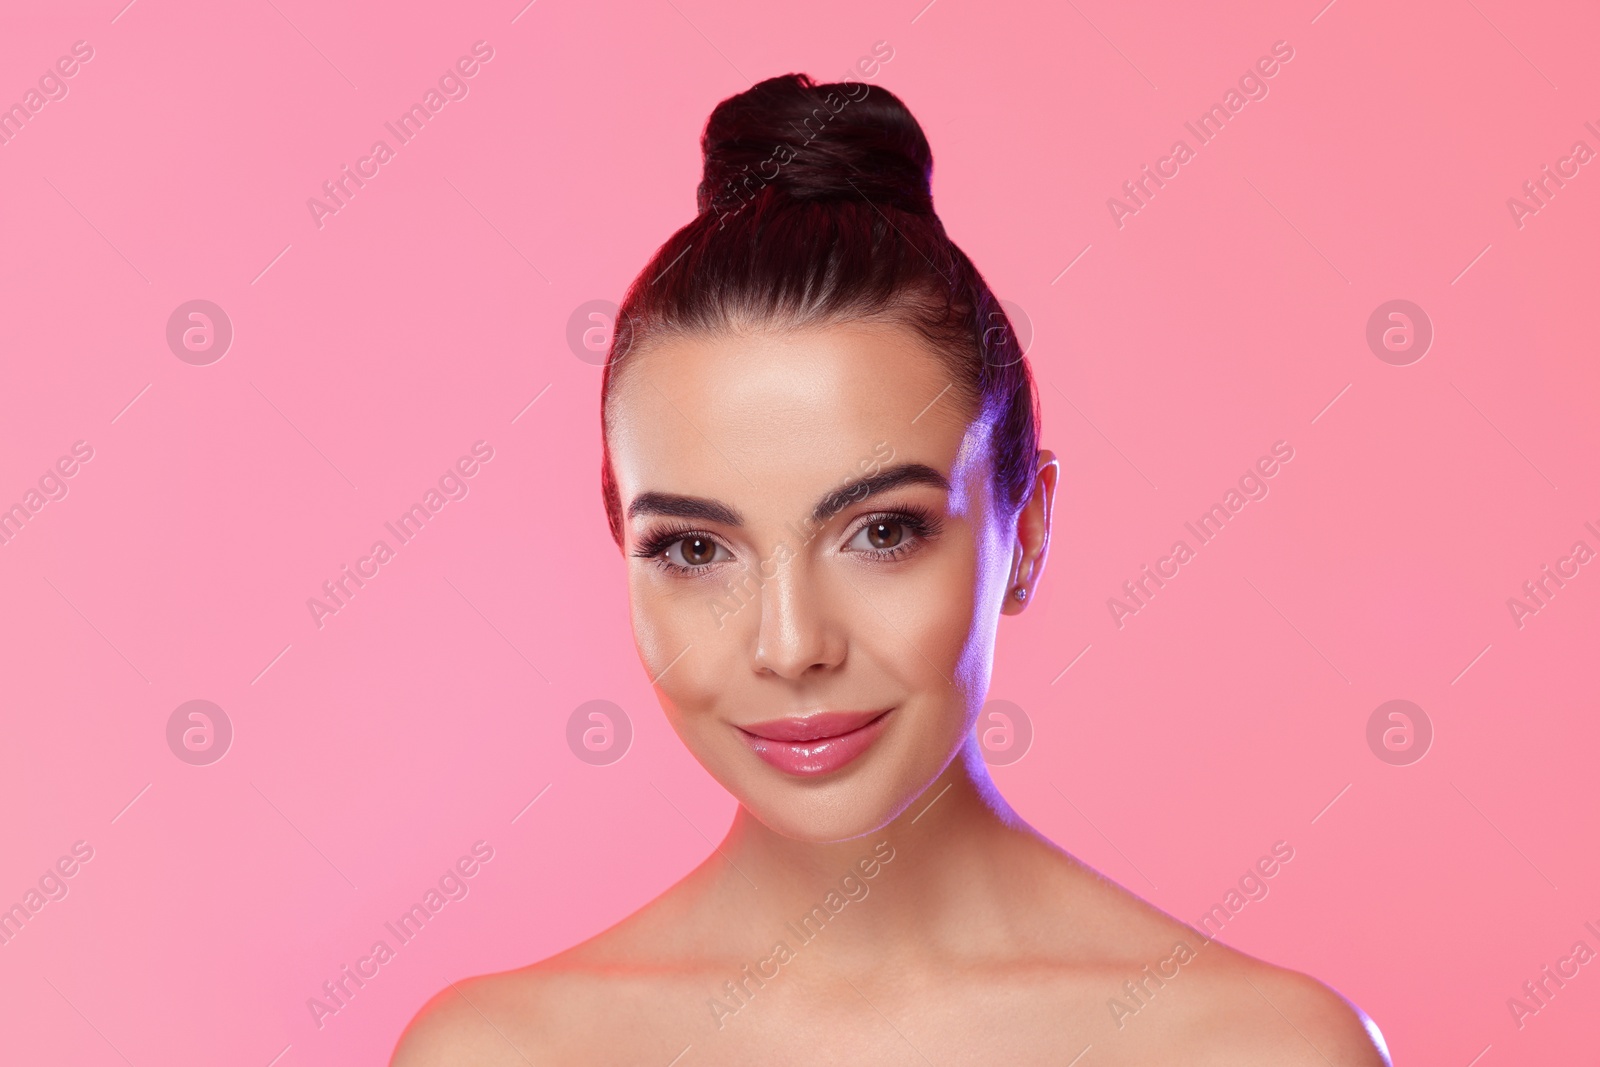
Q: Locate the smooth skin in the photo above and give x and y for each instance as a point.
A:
(979, 941)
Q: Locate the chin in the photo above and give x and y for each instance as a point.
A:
(840, 805)
(817, 820)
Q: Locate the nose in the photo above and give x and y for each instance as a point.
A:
(797, 632)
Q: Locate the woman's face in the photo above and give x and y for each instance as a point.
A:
(816, 565)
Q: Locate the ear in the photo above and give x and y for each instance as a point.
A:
(1032, 542)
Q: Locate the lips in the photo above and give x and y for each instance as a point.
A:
(815, 744)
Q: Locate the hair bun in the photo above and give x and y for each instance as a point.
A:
(836, 141)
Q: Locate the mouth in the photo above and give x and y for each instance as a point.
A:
(815, 744)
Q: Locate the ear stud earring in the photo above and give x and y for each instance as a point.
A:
(1020, 592)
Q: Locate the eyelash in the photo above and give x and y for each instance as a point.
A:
(918, 522)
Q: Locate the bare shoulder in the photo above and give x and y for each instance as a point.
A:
(571, 1007)
(568, 1009)
(480, 1022)
(1176, 993)
(1253, 1012)
(532, 1015)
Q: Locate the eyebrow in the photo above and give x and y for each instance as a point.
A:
(678, 506)
(884, 480)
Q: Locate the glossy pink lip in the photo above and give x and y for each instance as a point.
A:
(815, 744)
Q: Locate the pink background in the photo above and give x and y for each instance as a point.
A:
(370, 353)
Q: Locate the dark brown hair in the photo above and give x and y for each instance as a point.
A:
(816, 207)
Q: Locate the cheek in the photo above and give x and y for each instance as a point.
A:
(680, 644)
(989, 570)
(932, 613)
(926, 628)
(653, 622)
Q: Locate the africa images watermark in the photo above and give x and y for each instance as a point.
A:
(52, 86)
(1252, 86)
(739, 993)
(452, 485)
(1538, 192)
(833, 103)
(52, 486)
(1538, 992)
(1252, 485)
(740, 593)
(452, 885)
(1139, 991)
(1537, 592)
(52, 885)
(452, 85)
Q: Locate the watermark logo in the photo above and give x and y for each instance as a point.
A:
(1005, 733)
(1139, 991)
(736, 193)
(452, 485)
(1538, 992)
(51, 886)
(599, 732)
(589, 330)
(1252, 486)
(1138, 192)
(852, 887)
(1399, 732)
(1399, 332)
(453, 85)
(1021, 324)
(1537, 592)
(199, 332)
(51, 86)
(742, 591)
(1537, 193)
(1008, 322)
(199, 733)
(1251, 886)
(452, 886)
(52, 485)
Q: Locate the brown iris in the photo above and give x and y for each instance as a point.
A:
(885, 534)
(698, 550)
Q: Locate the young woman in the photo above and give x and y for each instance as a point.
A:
(821, 465)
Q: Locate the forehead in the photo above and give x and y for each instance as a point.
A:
(737, 415)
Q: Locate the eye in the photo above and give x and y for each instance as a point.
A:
(892, 535)
(695, 551)
(880, 536)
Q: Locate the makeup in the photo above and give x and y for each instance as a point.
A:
(815, 744)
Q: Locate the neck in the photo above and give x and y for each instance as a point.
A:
(929, 875)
